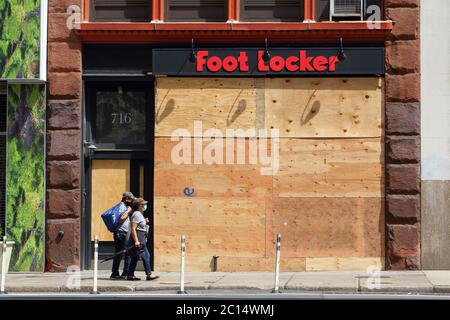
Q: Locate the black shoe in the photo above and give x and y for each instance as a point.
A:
(133, 278)
(151, 277)
(114, 277)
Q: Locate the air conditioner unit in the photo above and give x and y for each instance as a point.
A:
(346, 9)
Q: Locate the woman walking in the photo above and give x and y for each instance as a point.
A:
(139, 236)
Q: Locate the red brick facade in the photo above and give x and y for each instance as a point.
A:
(63, 140)
(403, 136)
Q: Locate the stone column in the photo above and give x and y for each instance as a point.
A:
(403, 136)
(63, 140)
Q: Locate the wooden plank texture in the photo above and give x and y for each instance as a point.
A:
(228, 264)
(330, 168)
(325, 107)
(213, 226)
(343, 263)
(327, 200)
(298, 107)
(225, 180)
(328, 227)
(110, 178)
(218, 102)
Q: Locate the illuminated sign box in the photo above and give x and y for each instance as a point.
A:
(318, 61)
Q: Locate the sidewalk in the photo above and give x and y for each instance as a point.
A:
(424, 282)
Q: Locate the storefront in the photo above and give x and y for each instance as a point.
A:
(160, 121)
(235, 132)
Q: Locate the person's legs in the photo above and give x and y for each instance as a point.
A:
(127, 256)
(134, 257)
(147, 264)
(145, 256)
(120, 244)
(126, 267)
(117, 259)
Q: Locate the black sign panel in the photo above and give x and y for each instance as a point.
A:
(299, 61)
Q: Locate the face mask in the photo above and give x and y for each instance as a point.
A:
(145, 208)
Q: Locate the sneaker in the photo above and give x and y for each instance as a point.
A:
(133, 278)
(151, 277)
(114, 277)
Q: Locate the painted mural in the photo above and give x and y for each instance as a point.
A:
(26, 176)
(19, 38)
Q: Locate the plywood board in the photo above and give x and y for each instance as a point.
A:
(240, 264)
(326, 199)
(213, 226)
(171, 263)
(328, 227)
(226, 180)
(110, 178)
(325, 107)
(330, 168)
(218, 102)
(298, 107)
(228, 264)
(235, 264)
(344, 264)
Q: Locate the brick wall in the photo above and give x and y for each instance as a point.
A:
(403, 136)
(63, 140)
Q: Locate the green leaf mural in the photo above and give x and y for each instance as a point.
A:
(19, 38)
(25, 176)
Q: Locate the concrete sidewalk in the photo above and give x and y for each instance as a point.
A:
(424, 282)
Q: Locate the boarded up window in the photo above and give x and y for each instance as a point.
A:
(121, 10)
(196, 10)
(272, 10)
(3, 112)
(326, 199)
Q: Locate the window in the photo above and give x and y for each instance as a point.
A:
(272, 10)
(344, 9)
(3, 112)
(121, 10)
(117, 116)
(196, 10)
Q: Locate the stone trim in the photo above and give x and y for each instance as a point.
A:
(402, 124)
(63, 140)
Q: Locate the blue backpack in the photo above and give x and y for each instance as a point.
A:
(111, 217)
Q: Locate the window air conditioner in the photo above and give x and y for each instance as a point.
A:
(346, 8)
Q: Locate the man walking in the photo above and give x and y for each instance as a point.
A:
(121, 239)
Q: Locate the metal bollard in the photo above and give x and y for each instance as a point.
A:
(276, 288)
(215, 263)
(183, 256)
(4, 266)
(94, 288)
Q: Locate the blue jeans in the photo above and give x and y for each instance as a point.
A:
(120, 243)
(141, 253)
